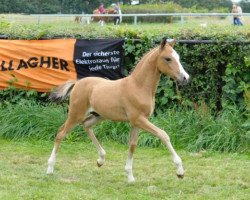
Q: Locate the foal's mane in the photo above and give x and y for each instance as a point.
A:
(146, 57)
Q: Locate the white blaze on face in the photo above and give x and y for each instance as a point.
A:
(182, 71)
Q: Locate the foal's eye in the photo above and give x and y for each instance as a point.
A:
(168, 59)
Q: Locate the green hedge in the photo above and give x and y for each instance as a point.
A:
(169, 7)
(220, 79)
(220, 72)
(152, 8)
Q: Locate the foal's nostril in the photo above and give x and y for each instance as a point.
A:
(184, 80)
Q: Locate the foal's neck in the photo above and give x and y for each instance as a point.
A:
(146, 75)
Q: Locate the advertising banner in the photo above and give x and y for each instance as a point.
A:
(44, 64)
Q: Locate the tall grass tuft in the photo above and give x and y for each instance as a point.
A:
(195, 130)
(189, 129)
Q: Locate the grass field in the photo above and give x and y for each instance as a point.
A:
(208, 175)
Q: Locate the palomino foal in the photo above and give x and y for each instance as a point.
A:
(130, 99)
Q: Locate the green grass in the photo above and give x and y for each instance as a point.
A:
(208, 175)
(188, 129)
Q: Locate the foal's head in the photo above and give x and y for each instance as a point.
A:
(168, 62)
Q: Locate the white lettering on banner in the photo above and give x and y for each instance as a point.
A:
(96, 61)
(110, 67)
(110, 60)
(106, 53)
(86, 54)
(100, 67)
(96, 68)
(115, 59)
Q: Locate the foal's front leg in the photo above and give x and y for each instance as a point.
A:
(64, 129)
(146, 125)
(132, 145)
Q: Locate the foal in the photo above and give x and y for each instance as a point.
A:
(130, 99)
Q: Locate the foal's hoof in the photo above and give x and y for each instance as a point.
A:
(131, 180)
(99, 164)
(181, 176)
(50, 171)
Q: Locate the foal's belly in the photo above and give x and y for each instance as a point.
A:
(113, 114)
(109, 111)
(107, 102)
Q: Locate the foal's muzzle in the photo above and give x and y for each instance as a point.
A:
(183, 79)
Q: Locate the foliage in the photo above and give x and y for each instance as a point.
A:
(237, 80)
(152, 8)
(4, 24)
(78, 6)
(193, 130)
(245, 5)
(13, 95)
(211, 5)
(190, 129)
(209, 113)
(215, 65)
(170, 7)
(219, 71)
(24, 6)
(50, 6)
(246, 124)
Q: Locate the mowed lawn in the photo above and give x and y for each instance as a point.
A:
(208, 175)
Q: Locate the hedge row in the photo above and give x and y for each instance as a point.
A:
(220, 71)
(169, 7)
(220, 75)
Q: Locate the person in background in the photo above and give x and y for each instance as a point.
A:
(237, 11)
(234, 10)
(117, 10)
(101, 9)
(240, 15)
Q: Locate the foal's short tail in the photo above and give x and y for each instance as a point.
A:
(62, 91)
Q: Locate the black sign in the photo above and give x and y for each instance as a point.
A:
(99, 57)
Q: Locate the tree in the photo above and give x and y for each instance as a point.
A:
(79, 6)
(210, 5)
(49, 6)
(245, 5)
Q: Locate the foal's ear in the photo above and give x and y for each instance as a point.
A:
(171, 42)
(163, 42)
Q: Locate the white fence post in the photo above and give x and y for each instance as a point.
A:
(135, 20)
(38, 19)
(182, 20)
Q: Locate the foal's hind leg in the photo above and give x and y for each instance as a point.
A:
(88, 123)
(146, 125)
(134, 133)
